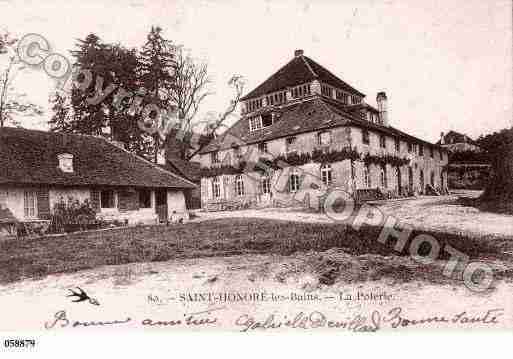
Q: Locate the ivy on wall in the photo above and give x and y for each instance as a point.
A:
(382, 160)
(299, 159)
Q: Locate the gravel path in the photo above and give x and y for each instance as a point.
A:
(425, 212)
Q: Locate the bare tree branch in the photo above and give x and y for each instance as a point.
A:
(237, 83)
(190, 88)
(10, 101)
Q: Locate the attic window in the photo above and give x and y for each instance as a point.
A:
(255, 123)
(267, 120)
(66, 162)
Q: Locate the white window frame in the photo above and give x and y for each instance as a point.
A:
(320, 138)
(294, 182)
(292, 140)
(255, 123)
(239, 185)
(214, 157)
(266, 185)
(326, 174)
(383, 176)
(383, 141)
(216, 187)
(366, 176)
(3, 199)
(30, 204)
(262, 147)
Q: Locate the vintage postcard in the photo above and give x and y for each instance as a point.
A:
(264, 166)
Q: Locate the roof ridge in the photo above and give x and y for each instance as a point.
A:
(308, 65)
(145, 160)
(332, 74)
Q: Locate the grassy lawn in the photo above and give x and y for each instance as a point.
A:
(37, 258)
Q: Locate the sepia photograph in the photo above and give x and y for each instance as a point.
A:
(255, 167)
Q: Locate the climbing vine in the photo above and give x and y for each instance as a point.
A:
(299, 159)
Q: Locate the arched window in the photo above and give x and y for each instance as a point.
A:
(216, 187)
(366, 176)
(239, 185)
(294, 182)
(326, 174)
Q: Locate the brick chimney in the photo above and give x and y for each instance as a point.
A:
(381, 100)
(298, 53)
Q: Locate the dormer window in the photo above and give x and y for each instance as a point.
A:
(267, 119)
(65, 162)
(258, 122)
(255, 123)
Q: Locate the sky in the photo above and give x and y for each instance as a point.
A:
(445, 65)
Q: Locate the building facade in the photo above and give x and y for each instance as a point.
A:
(41, 169)
(304, 132)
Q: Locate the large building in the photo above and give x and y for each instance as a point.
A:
(304, 130)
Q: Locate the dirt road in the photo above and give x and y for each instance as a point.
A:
(425, 212)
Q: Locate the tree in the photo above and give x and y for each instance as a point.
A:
(189, 89)
(97, 109)
(156, 68)
(214, 122)
(12, 104)
(499, 146)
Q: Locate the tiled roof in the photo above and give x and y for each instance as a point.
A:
(313, 114)
(30, 157)
(187, 169)
(297, 71)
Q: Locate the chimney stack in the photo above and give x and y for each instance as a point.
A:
(298, 53)
(381, 100)
(442, 141)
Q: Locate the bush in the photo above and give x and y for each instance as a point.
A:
(72, 216)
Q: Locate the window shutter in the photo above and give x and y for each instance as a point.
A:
(43, 203)
(95, 200)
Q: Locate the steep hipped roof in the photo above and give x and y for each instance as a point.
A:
(30, 157)
(313, 114)
(297, 71)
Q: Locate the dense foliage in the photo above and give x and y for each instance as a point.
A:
(123, 81)
(72, 214)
